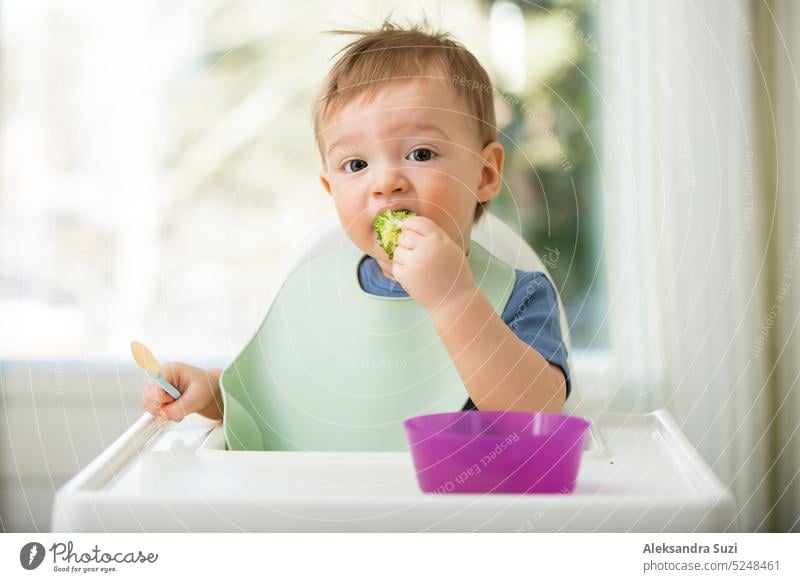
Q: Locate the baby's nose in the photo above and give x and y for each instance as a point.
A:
(390, 181)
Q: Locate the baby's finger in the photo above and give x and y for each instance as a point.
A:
(420, 225)
(150, 404)
(408, 239)
(157, 393)
(400, 255)
(172, 373)
(188, 403)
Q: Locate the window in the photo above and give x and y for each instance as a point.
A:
(158, 161)
(545, 110)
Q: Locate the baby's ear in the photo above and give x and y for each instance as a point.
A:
(492, 158)
(323, 177)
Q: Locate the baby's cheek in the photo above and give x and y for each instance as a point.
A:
(445, 184)
(443, 204)
(356, 221)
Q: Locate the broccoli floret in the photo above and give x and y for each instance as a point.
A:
(388, 227)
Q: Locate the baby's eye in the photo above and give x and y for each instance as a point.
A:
(351, 166)
(421, 155)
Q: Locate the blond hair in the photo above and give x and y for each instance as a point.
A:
(393, 53)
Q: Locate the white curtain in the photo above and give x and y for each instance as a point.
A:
(777, 25)
(694, 246)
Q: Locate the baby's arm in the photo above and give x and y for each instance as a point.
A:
(216, 408)
(499, 370)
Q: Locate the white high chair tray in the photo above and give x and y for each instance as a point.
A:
(638, 473)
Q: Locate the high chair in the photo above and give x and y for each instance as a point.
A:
(638, 472)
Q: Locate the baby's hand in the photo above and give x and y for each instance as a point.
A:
(199, 390)
(429, 265)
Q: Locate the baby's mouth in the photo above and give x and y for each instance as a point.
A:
(398, 209)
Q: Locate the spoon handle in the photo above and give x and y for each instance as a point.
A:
(168, 388)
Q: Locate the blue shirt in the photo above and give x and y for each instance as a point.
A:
(531, 312)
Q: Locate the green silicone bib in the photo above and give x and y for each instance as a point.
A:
(334, 368)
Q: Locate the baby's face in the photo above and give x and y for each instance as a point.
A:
(414, 146)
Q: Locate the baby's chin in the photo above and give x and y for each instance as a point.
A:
(382, 259)
(381, 256)
(386, 267)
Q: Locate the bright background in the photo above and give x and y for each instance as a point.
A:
(157, 163)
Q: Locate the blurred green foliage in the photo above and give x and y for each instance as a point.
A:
(550, 193)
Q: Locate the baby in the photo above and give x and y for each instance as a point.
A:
(405, 121)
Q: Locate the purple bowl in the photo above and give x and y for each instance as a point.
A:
(496, 451)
